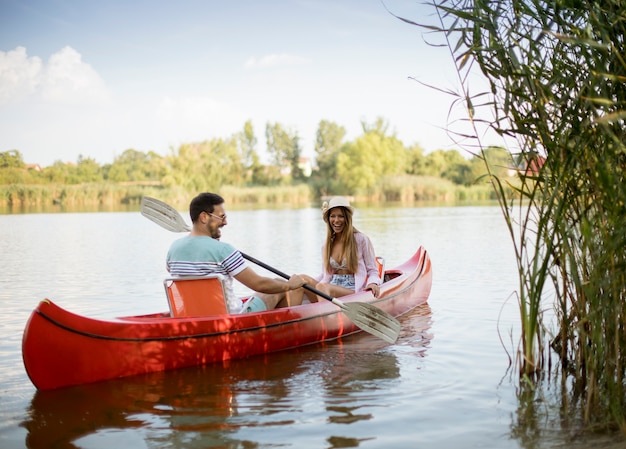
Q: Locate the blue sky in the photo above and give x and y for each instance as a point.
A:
(98, 77)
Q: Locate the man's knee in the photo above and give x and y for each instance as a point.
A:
(254, 304)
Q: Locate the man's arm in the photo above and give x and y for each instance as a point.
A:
(252, 280)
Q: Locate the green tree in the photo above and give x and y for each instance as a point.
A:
(87, 170)
(133, 165)
(495, 160)
(247, 143)
(450, 165)
(14, 175)
(13, 169)
(415, 160)
(84, 170)
(374, 155)
(435, 163)
(328, 142)
(208, 165)
(285, 151)
(61, 173)
(457, 168)
(11, 159)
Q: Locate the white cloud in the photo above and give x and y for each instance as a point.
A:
(275, 60)
(65, 79)
(19, 74)
(68, 79)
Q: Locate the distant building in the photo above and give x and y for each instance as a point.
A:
(535, 165)
(304, 164)
(35, 167)
(528, 165)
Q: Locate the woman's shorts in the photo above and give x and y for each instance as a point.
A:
(343, 280)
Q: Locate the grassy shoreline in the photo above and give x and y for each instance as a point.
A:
(23, 198)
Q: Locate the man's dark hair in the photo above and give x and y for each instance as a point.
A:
(204, 202)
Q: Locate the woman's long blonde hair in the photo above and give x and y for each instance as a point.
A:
(349, 243)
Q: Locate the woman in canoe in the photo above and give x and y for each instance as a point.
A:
(348, 257)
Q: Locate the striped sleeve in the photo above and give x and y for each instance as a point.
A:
(234, 263)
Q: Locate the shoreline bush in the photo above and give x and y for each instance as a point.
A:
(114, 196)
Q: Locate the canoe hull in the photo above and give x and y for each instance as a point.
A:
(60, 348)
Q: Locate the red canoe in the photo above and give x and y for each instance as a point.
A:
(60, 348)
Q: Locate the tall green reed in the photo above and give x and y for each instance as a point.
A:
(556, 93)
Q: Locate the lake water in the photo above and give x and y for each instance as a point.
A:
(446, 383)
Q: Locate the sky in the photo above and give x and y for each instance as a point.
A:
(95, 78)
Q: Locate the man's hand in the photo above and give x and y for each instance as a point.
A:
(295, 282)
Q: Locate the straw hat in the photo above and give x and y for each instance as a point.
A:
(336, 201)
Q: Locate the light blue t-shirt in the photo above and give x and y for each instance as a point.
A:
(201, 256)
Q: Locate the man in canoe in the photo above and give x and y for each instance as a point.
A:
(201, 253)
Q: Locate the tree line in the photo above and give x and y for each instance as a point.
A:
(340, 167)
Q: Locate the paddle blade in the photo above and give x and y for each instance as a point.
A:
(163, 214)
(372, 319)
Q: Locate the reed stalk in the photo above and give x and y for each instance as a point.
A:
(556, 78)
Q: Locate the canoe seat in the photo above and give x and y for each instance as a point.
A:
(380, 263)
(195, 295)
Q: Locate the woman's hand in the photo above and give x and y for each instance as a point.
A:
(375, 289)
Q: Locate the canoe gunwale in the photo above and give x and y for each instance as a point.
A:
(131, 321)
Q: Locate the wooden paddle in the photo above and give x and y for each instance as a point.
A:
(366, 316)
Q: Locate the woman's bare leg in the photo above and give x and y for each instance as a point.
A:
(333, 290)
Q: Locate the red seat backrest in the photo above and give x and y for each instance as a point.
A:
(195, 296)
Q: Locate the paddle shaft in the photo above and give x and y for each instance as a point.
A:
(286, 276)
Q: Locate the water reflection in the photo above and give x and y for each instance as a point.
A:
(213, 405)
(162, 402)
(415, 329)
